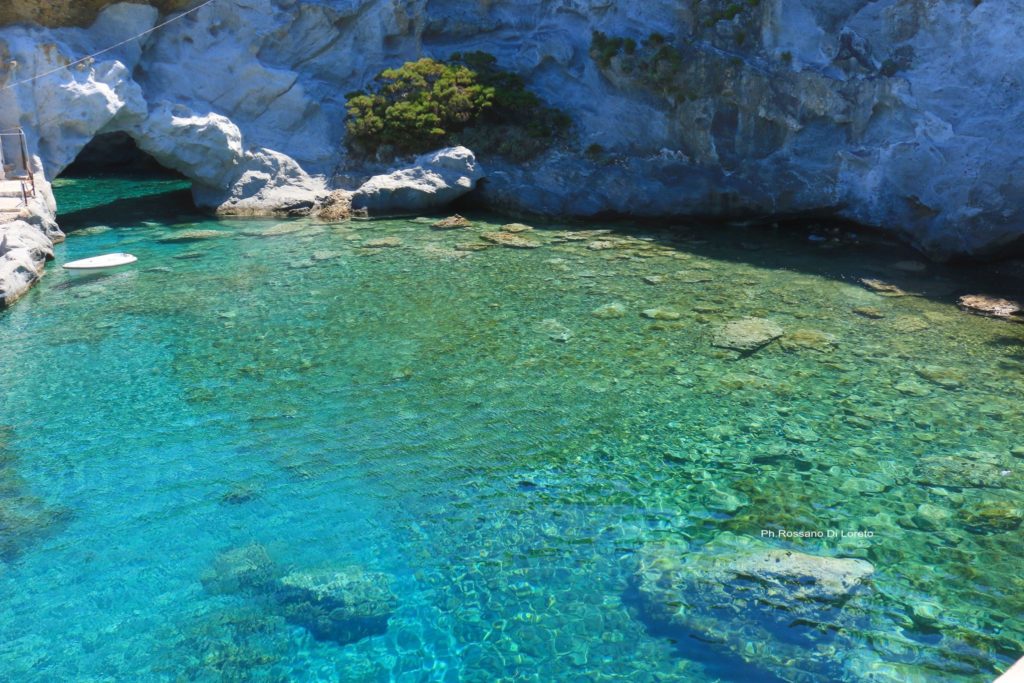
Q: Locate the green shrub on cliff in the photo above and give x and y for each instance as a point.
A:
(654, 62)
(468, 100)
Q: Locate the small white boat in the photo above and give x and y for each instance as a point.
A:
(101, 262)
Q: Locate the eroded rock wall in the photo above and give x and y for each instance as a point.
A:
(903, 114)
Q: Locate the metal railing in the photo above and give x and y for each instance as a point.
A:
(27, 177)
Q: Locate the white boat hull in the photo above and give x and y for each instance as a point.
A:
(104, 262)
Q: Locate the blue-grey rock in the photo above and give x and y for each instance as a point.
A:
(433, 181)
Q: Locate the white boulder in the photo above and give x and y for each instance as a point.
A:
(265, 183)
(206, 147)
(433, 181)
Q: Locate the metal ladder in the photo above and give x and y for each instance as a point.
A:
(15, 137)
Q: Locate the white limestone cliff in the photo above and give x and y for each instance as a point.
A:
(906, 115)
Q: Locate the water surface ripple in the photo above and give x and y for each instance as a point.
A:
(504, 433)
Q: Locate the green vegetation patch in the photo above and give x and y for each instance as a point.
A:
(467, 100)
(653, 63)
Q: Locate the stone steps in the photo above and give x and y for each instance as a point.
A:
(10, 188)
(10, 205)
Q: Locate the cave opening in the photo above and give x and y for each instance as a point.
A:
(113, 182)
(114, 154)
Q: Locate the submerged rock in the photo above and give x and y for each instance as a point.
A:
(382, 243)
(451, 223)
(343, 606)
(869, 312)
(325, 255)
(992, 516)
(931, 517)
(555, 330)
(278, 230)
(797, 577)
(509, 239)
(800, 433)
(947, 378)
(813, 340)
(24, 517)
(746, 334)
(733, 591)
(240, 570)
(516, 228)
(974, 469)
(990, 306)
(608, 311)
(191, 236)
(908, 324)
(661, 314)
(883, 288)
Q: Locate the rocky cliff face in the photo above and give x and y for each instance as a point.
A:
(903, 114)
(55, 13)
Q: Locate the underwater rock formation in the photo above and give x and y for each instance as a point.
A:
(342, 604)
(764, 592)
(746, 334)
(24, 517)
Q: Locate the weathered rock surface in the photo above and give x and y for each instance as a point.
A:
(337, 206)
(433, 181)
(780, 106)
(993, 307)
(26, 244)
(746, 334)
(509, 239)
(451, 223)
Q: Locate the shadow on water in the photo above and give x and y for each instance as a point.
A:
(823, 247)
(132, 211)
(94, 278)
(812, 246)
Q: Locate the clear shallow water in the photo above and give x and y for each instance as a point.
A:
(461, 421)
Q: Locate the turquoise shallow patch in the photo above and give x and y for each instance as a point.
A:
(501, 432)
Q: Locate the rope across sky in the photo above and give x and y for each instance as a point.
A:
(184, 14)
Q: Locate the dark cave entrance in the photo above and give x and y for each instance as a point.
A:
(115, 154)
(112, 182)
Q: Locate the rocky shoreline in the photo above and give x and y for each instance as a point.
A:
(27, 236)
(765, 109)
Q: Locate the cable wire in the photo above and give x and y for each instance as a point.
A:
(108, 49)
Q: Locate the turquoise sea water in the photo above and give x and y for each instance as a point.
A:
(461, 421)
